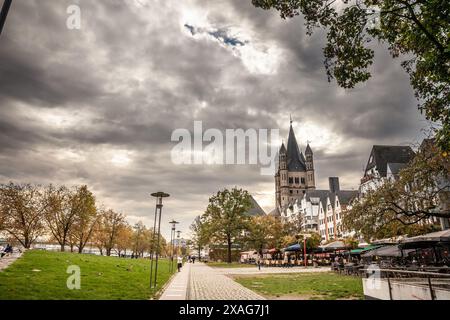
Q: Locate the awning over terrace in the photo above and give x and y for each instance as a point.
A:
(294, 247)
(333, 246)
(385, 251)
(439, 236)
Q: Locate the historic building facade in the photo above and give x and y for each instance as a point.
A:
(295, 173)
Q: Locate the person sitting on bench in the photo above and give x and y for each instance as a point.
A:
(7, 250)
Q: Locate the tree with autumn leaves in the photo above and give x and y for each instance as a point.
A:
(69, 217)
(409, 204)
(416, 31)
(225, 218)
(226, 221)
(22, 208)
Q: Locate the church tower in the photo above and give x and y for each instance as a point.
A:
(310, 179)
(295, 173)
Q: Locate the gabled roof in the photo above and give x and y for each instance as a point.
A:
(321, 194)
(295, 159)
(255, 210)
(346, 196)
(382, 155)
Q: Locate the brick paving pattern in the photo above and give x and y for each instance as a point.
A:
(207, 283)
(270, 270)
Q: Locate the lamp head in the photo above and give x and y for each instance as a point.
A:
(159, 196)
(173, 223)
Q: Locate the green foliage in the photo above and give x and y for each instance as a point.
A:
(416, 30)
(327, 286)
(41, 275)
(264, 232)
(351, 242)
(225, 217)
(22, 209)
(399, 207)
(200, 234)
(312, 240)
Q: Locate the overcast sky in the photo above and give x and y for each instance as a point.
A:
(97, 106)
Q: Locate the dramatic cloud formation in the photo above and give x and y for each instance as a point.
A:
(98, 105)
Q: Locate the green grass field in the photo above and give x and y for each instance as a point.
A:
(313, 286)
(41, 275)
(230, 265)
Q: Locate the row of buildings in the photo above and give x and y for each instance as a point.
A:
(322, 210)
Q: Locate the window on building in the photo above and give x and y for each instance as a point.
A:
(296, 180)
(291, 180)
(303, 180)
(290, 191)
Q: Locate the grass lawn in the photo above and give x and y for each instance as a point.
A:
(41, 275)
(230, 265)
(323, 286)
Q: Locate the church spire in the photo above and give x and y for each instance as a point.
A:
(308, 148)
(296, 161)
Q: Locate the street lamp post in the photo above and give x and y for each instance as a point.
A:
(304, 252)
(178, 242)
(305, 237)
(172, 243)
(4, 13)
(155, 251)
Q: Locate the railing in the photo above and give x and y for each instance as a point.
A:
(397, 275)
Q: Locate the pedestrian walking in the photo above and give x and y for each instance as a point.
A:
(179, 263)
(286, 261)
(258, 262)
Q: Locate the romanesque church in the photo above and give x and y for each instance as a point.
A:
(294, 174)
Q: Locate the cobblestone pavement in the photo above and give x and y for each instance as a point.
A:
(207, 283)
(269, 270)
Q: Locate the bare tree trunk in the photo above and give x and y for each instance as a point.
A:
(229, 248)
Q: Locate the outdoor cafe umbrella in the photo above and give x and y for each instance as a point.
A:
(294, 247)
(335, 245)
(439, 236)
(365, 249)
(385, 251)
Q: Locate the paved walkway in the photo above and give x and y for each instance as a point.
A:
(270, 270)
(178, 288)
(201, 282)
(209, 284)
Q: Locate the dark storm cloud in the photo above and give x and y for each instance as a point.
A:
(99, 105)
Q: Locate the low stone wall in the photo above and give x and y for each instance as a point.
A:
(405, 289)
